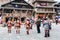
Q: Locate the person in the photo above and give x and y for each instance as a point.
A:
(0, 19)
(50, 23)
(59, 20)
(31, 22)
(56, 19)
(9, 26)
(46, 27)
(27, 26)
(17, 26)
(38, 24)
(4, 24)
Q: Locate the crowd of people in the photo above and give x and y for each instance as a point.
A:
(57, 19)
(29, 25)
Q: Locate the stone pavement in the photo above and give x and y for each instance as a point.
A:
(54, 34)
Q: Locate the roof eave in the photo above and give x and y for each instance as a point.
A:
(16, 8)
(44, 7)
(45, 1)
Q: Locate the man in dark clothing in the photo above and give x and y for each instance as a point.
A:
(56, 20)
(38, 23)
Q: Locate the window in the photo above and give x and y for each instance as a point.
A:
(8, 11)
(50, 9)
(23, 11)
(50, 4)
(58, 11)
(41, 9)
(38, 5)
(46, 9)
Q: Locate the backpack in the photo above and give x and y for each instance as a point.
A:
(4, 24)
(46, 25)
(31, 21)
(38, 22)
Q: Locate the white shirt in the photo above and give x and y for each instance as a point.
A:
(0, 18)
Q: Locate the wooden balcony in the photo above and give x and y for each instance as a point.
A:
(19, 3)
(37, 11)
(46, 1)
(44, 7)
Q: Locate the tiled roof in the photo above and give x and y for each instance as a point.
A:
(17, 5)
(44, 1)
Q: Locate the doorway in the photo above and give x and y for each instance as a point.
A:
(8, 18)
(23, 19)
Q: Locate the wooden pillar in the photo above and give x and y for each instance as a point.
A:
(3, 16)
(47, 14)
(13, 13)
(26, 13)
(32, 13)
(20, 14)
(44, 15)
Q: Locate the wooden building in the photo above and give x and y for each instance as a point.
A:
(44, 8)
(57, 9)
(17, 9)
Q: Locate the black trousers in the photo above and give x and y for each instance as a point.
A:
(38, 28)
(56, 22)
(47, 34)
(31, 26)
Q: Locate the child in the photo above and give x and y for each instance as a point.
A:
(31, 22)
(27, 26)
(9, 26)
(17, 26)
(50, 21)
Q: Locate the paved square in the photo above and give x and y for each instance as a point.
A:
(54, 34)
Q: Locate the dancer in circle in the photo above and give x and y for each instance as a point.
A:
(27, 26)
(32, 23)
(17, 26)
(9, 26)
